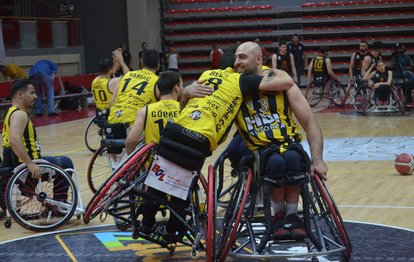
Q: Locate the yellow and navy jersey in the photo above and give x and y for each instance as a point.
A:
(135, 90)
(319, 67)
(29, 138)
(156, 118)
(101, 93)
(266, 118)
(213, 115)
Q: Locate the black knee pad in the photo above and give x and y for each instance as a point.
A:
(274, 181)
(296, 178)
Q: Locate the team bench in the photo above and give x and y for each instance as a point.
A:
(61, 92)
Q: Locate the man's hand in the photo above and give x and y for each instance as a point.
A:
(35, 170)
(197, 89)
(320, 169)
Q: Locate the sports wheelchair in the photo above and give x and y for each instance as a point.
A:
(331, 89)
(124, 193)
(365, 102)
(242, 231)
(42, 204)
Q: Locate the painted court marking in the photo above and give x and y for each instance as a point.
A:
(365, 148)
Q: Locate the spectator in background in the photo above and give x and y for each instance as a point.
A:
(215, 57)
(12, 71)
(143, 49)
(403, 66)
(126, 55)
(42, 74)
(172, 58)
(297, 49)
(285, 61)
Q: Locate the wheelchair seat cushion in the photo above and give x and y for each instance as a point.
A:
(115, 131)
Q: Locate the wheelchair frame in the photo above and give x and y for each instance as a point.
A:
(47, 213)
(241, 232)
(363, 100)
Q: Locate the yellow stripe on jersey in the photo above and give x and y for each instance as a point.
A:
(212, 116)
(101, 93)
(29, 138)
(135, 90)
(267, 119)
(157, 116)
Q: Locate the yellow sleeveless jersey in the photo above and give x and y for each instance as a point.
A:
(29, 138)
(156, 118)
(319, 66)
(213, 115)
(135, 90)
(101, 93)
(266, 119)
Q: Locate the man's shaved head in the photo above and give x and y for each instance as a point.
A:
(248, 58)
(251, 47)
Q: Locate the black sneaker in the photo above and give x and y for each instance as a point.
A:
(146, 230)
(279, 230)
(162, 232)
(296, 227)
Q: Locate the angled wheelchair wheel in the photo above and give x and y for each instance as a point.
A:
(232, 215)
(42, 204)
(314, 93)
(335, 236)
(336, 91)
(362, 98)
(93, 135)
(131, 173)
(99, 169)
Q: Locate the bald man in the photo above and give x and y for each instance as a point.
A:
(284, 168)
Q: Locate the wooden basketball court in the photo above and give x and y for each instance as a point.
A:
(365, 191)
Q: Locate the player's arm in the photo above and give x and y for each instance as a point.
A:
(329, 68)
(274, 64)
(114, 94)
(292, 64)
(310, 75)
(195, 89)
(365, 65)
(351, 66)
(307, 120)
(117, 56)
(136, 131)
(18, 121)
(280, 81)
(113, 84)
